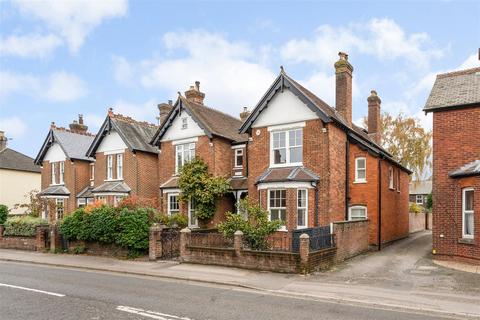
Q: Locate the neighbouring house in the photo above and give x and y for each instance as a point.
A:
(191, 129)
(65, 168)
(18, 176)
(309, 165)
(125, 162)
(455, 104)
(419, 191)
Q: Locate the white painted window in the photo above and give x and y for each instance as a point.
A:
(184, 123)
(90, 200)
(61, 172)
(238, 158)
(120, 166)
(54, 173)
(117, 200)
(183, 153)
(360, 169)
(173, 205)
(357, 213)
(390, 177)
(277, 204)
(59, 208)
(302, 210)
(109, 167)
(286, 147)
(192, 218)
(419, 199)
(102, 199)
(398, 180)
(467, 213)
(81, 202)
(92, 171)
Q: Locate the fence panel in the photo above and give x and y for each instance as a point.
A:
(320, 238)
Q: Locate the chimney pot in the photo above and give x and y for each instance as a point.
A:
(80, 118)
(3, 140)
(78, 126)
(194, 94)
(343, 87)
(164, 110)
(244, 114)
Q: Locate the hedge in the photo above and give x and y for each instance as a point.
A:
(3, 213)
(23, 226)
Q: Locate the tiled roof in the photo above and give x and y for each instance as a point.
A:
(60, 190)
(112, 186)
(420, 187)
(138, 134)
(14, 160)
(238, 183)
(86, 193)
(455, 89)
(470, 169)
(171, 183)
(287, 174)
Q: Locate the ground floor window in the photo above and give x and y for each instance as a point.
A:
(302, 214)
(357, 213)
(81, 202)
(192, 218)
(173, 206)
(277, 204)
(419, 199)
(59, 208)
(117, 200)
(467, 213)
(102, 199)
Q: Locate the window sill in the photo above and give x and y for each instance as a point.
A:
(112, 180)
(284, 165)
(300, 228)
(282, 229)
(470, 241)
(359, 181)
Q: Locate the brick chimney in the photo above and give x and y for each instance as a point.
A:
(3, 141)
(244, 114)
(164, 109)
(343, 87)
(193, 94)
(374, 117)
(78, 126)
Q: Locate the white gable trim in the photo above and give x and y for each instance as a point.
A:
(55, 153)
(176, 131)
(111, 143)
(287, 126)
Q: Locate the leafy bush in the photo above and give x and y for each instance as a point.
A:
(133, 228)
(197, 183)
(415, 208)
(429, 203)
(179, 220)
(25, 226)
(3, 213)
(101, 225)
(256, 228)
(75, 226)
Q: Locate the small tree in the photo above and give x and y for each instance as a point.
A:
(429, 203)
(256, 228)
(32, 205)
(197, 184)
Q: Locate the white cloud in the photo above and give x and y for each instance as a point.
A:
(58, 86)
(146, 111)
(74, 19)
(94, 121)
(122, 70)
(29, 46)
(471, 62)
(382, 38)
(14, 127)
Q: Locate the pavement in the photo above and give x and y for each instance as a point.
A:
(400, 277)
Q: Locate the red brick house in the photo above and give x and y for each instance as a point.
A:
(455, 104)
(309, 165)
(125, 163)
(192, 129)
(65, 168)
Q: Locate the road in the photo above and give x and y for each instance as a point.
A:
(29, 291)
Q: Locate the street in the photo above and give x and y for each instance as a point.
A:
(60, 293)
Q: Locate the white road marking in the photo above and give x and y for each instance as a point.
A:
(151, 314)
(33, 290)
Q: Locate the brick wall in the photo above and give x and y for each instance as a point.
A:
(454, 145)
(98, 249)
(351, 238)
(35, 243)
(420, 221)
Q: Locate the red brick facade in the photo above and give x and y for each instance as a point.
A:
(455, 143)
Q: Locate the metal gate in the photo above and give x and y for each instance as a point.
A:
(170, 242)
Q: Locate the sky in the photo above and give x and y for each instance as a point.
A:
(62, 58)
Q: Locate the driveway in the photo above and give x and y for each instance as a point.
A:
(405, 265)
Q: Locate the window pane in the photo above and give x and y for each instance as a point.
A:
(302, 198)
(296, 154)
(361, 174)
(295, 137)
(469, 200)
(361, 163)
(301, 217)
(468, 224)
(282, 213)
(279, 139)
(280, 156)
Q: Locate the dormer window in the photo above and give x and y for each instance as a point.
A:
(184, 123)
(238, 158)
(286, 147)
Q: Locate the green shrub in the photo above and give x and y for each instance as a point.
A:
(415, 208)
(179, 220)
(133, 226)
(102, 225)
(3, 213)
(256, 228)
(25, 226)
(75, 226)
(79, 250)
(429, 203)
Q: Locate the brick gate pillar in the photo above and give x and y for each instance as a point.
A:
(154, 251)
(304, 252)
(40, 237)
(238, 242)
(2, 228)
(184, 242)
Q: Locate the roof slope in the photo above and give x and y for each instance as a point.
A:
(454, 89)
(470, 169)
(420, 187)
(74, 145)
(14, 160)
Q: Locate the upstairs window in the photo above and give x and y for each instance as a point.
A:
(120, 166)
(390, 177)
(467, 213)
(92, 171)
(361, 169)
(277, 205)
(184, 153)
(287, 147)
(109, 167)
(238, 158)
(357, 213)
(184, 123)
(54, 173)
(62, 172)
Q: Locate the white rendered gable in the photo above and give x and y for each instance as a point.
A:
(176, 130)
(284, 108)
(55, 153)
(112, 142)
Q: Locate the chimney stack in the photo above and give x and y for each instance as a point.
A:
(343, 87)
(164, 110)
(3, 141)
(374, 117)
(244, 114)
(194, 94)
(78, 126)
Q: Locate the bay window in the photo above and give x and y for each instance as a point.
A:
(467, 213)
(302, 215)
(183, 154)
(287, 147)
(277, 205)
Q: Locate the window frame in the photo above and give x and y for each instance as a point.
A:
(287, 147)
(61, 172)
(305, 225)
(269, 208)
(169, 202)
(190, 150)
(81, 202)
(92, 171)
(102, 199)
(192, 221)
(417, 197)
(357, 169)
(59, 208)
(238, 153)
(53, 173)
(110, 167)
(391, 184)
(357, 207)
(119, 159)
(470, 212)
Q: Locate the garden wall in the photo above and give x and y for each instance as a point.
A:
(351, 238)
(36, 243)
(420, 221)
(97, 249)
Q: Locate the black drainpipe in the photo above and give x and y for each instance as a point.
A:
(379, 239)
(347, 177)
(315, 222)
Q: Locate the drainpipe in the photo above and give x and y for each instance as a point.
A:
(315, 214)
(347, 177)
(379, 219)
